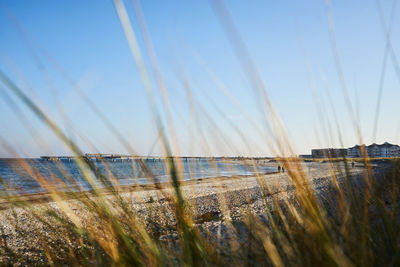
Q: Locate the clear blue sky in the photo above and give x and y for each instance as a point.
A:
(283, 37)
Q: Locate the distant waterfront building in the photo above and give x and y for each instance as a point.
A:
(306, 156)
(385, 150)
(354, 152)
(329, 153)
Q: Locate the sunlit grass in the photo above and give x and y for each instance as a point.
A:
(349, 217)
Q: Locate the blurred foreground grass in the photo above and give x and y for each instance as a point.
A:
(354, 221)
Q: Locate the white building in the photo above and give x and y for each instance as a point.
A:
(384, 150)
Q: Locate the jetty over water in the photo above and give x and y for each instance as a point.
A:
(121, 157)
(97, 156)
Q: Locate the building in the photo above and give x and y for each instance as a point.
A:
(354, 152)
(306, 156)
(385, 150)
(329, 153)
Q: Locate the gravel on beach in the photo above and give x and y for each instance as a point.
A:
(212, 202)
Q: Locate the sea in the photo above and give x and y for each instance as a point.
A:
(20, 176)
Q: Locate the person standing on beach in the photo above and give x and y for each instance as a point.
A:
(279, 168)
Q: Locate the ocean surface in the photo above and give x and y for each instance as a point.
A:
(20, 176)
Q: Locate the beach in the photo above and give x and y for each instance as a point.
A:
(212, 202)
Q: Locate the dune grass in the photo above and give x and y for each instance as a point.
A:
(353, 221)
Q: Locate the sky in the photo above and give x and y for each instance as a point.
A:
(52, 50)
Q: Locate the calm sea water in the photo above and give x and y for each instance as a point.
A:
(20, 178)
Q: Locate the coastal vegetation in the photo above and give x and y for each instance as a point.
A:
(345, 215)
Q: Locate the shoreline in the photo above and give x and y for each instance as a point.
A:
(213, 203)
(45, 197)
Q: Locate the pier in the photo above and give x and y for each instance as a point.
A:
(121, 157)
